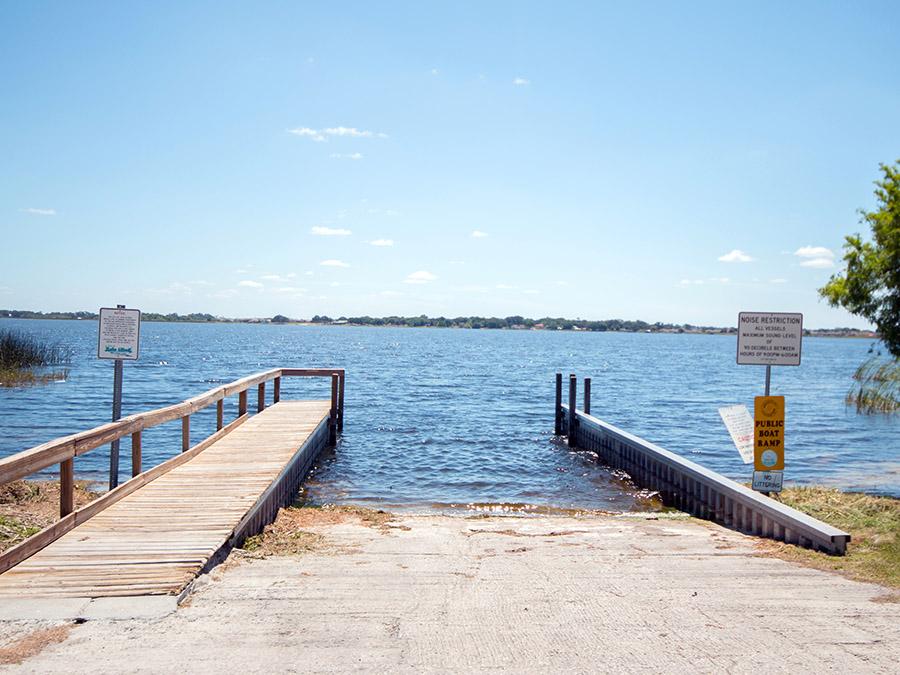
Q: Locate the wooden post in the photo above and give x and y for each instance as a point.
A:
(220, 414)
(66, 487)
(573, 387)
(261, 397)
(135, 453)
(557, 407)
(332, 420)
(587, 396)
(340, 425)
(185, 433)
(276, 390)
(242, 403)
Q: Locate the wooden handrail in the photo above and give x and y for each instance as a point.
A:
(65, 448)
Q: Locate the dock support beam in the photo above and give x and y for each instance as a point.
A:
(333, 416)
(587, 396)
(66, 487)
(261, 397)
(573, 392)
(185, 433)
(557, 407)
(135, 453)
(340, 421)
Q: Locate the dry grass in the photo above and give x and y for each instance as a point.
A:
(32, 644)
(19, 377)
(287, 536)
(27, 507)
(873, 522)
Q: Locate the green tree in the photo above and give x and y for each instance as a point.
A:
(870, 285)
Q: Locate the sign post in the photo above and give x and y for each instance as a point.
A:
(769, 339)
(118, 339)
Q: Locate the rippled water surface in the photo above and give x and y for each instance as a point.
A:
(440, 417)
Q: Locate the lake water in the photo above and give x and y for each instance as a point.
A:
(442, 417)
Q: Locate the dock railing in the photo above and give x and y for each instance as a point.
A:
(64, 450)
(687, 486)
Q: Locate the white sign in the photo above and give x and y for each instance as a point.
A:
(769, 339)
(740, 426)
(120, 334)
(768, 481)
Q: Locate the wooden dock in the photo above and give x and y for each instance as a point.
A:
(155, 533)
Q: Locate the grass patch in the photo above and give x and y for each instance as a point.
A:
(27, 507)
(20, 354)
(286, 535)
(877, 388)
(874, 523)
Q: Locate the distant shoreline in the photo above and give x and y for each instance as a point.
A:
(470, 323)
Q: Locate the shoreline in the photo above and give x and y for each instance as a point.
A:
(577, 325)
(873, 522)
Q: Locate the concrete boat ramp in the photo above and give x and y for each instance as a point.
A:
(499, 594)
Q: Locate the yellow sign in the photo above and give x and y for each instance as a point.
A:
(768, 433)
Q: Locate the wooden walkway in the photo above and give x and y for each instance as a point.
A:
(158, 538)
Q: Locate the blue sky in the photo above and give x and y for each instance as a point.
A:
(665, 161)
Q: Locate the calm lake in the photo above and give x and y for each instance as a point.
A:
(437, 418)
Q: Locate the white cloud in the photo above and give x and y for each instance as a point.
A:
(39, 212)
(354, 155)
(389, 294)
(434, 71)
(420, 277)
(478, 234)
(735, 256)
(382, 242)
(818, 263)
(226, 293)
(505, 287)
(322, 135)
(521, 81)
(814, 252)
(308, 133)
(290, 289)
(778, 281)
(330, 231)
(334, 263)
(248, 283)
(272, 277)
(308, 273)
(691, 282)
(531, 291)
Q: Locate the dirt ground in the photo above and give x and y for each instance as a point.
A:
(499, 594)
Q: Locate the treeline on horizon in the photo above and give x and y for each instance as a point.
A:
(515, 322)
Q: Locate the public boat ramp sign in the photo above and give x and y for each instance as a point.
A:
(768, 443)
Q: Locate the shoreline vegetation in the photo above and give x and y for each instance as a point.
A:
(24, 359)
(873, 555)
(877, 388)
(471, 322)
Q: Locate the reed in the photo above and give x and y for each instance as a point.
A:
(877, 387)
(21, 354)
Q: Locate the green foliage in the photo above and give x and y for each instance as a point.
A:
(878, 386)
(870, 285)
(18, 350)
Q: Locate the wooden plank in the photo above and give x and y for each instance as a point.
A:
(39, 457)
(66, 487)
(135, 453)
(155, 532)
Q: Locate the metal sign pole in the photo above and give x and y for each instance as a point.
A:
(116, 416)
(768, 378)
